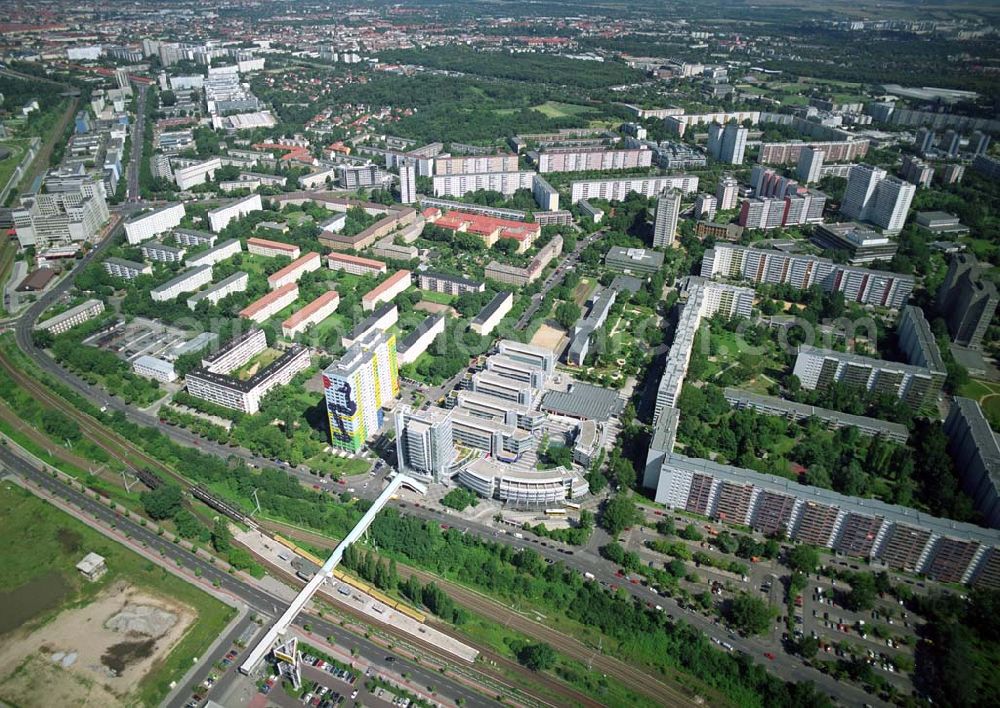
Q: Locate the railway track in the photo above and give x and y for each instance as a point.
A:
(646, 684)
(513, 668)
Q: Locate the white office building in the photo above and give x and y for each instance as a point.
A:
(425, 446)
(153, 368)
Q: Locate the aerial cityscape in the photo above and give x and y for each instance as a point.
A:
(466, 353)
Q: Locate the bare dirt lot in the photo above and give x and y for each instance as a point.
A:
(435, 307)
(94, 655)
(549, 337)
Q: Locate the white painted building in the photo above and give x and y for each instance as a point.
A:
(219, 218)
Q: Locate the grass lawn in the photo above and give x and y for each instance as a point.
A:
(57, 542)
(17, 149)
(436, 297)
(258, 363)
(977, 388)
(335, 466)
(557, 109)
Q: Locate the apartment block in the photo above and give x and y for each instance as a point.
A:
(220, 218)
(151, 224)
(416, 342)
(448, 284)
(216, 254)
(873, 196)
(188, 281)
(790, 153)
(491, 315)
(545, 194)
(617, 189)
(475, 164)
(897, 536)
(312, 314)
(193, 238)
(294, 271)
(757, 265)
(834, 420)
(588, 159)
(65, 321)
(357, 386)
(189, 174)
(380, 320)
(727, 143)
(271, 249)
(917, 341)
(973, 446)
(235, 283)
(504, 182)
(213, 382)
(156, 251)
(705, 206)
(513, 275)
(387, 289)
(129, 270)
(271, 304)
(355, 264)
(915, 385)
(967, 300)
(668, 209)
(727, 193)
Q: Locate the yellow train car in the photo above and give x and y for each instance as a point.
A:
(361, 585)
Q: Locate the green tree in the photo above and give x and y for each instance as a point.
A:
(537, 657)
(619, 513)
(221, 538)
(750, 615)
(804, 558)
(163, 502)
(567, 314)
(862, 593)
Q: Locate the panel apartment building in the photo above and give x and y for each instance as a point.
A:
(789, 153)
(757, 265)
(901, 538)
(213, 382)
(357, 385)
(588, 159)
(475, 164)
(915, 385)
(616, 189)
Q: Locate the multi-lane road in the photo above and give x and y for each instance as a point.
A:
(138, 138)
